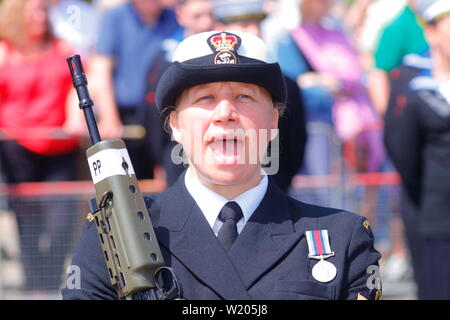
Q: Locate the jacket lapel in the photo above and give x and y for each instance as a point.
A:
(266, 237)
(184, 231)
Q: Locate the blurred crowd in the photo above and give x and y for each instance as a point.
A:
(348, 65)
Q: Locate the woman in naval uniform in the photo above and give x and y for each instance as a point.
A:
(226, 230)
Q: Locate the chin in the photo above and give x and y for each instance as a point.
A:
(228, 174)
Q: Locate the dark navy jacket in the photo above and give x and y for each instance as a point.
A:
(269, 259)
(417, 138)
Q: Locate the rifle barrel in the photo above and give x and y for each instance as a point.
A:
(80, 83)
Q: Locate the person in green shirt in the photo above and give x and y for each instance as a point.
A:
(402, 36)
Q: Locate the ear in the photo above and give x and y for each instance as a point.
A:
(431, 34)
(179, 13)
(173, 123)
(276, 117)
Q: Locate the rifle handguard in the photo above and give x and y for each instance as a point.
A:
(128, 241)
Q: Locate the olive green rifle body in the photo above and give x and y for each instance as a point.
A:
(127, 237)
(130, 248)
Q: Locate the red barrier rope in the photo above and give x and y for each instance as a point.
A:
(157, 185)
(33, 133)
(315, 181)
(28, 189)
(358, 179)
(375, 178)
(129, 132)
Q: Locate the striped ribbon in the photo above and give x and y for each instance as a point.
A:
(318, 243)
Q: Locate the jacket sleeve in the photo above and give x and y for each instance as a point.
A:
(89, 280)
(403, 139)
(363, 277)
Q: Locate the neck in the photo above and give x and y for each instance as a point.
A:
(311, 21)
(441, 68)
(33, 47)
(309, 17)
(188, 33)
(148, 19)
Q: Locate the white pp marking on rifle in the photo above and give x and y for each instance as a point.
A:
(108, 163)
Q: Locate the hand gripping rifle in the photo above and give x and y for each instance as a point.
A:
(131, 251)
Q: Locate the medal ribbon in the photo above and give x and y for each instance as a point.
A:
(318, 243)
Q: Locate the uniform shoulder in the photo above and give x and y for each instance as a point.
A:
(326, 216)
(317, 211)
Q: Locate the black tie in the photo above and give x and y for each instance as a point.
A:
(229, 215)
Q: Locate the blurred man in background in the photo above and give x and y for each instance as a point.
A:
(130, 38)
(35, 93)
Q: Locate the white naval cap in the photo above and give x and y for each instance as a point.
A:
(217, 56)
(431, 10)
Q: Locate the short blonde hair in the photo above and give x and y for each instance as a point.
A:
(12, 22)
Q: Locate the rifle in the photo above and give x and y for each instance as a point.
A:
(132, 254)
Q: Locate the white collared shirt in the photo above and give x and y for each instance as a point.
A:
(444, 89)
(210, 202)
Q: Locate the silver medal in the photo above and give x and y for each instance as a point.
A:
(324, 271)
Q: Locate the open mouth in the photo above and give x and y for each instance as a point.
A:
(226, 149)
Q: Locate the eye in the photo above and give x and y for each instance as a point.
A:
(244, 97)
(204, 99)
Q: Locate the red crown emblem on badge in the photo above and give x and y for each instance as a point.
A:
(223, 41)
(225, 45)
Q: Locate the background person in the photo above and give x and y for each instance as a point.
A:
(417, 137)
(129, 40)
(35, 92)
(403, 35)
(336, 101)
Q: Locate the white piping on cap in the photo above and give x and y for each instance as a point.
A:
(196, 46)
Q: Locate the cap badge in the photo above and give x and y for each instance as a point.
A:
(225, 46)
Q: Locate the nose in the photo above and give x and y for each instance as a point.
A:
(225, 113)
